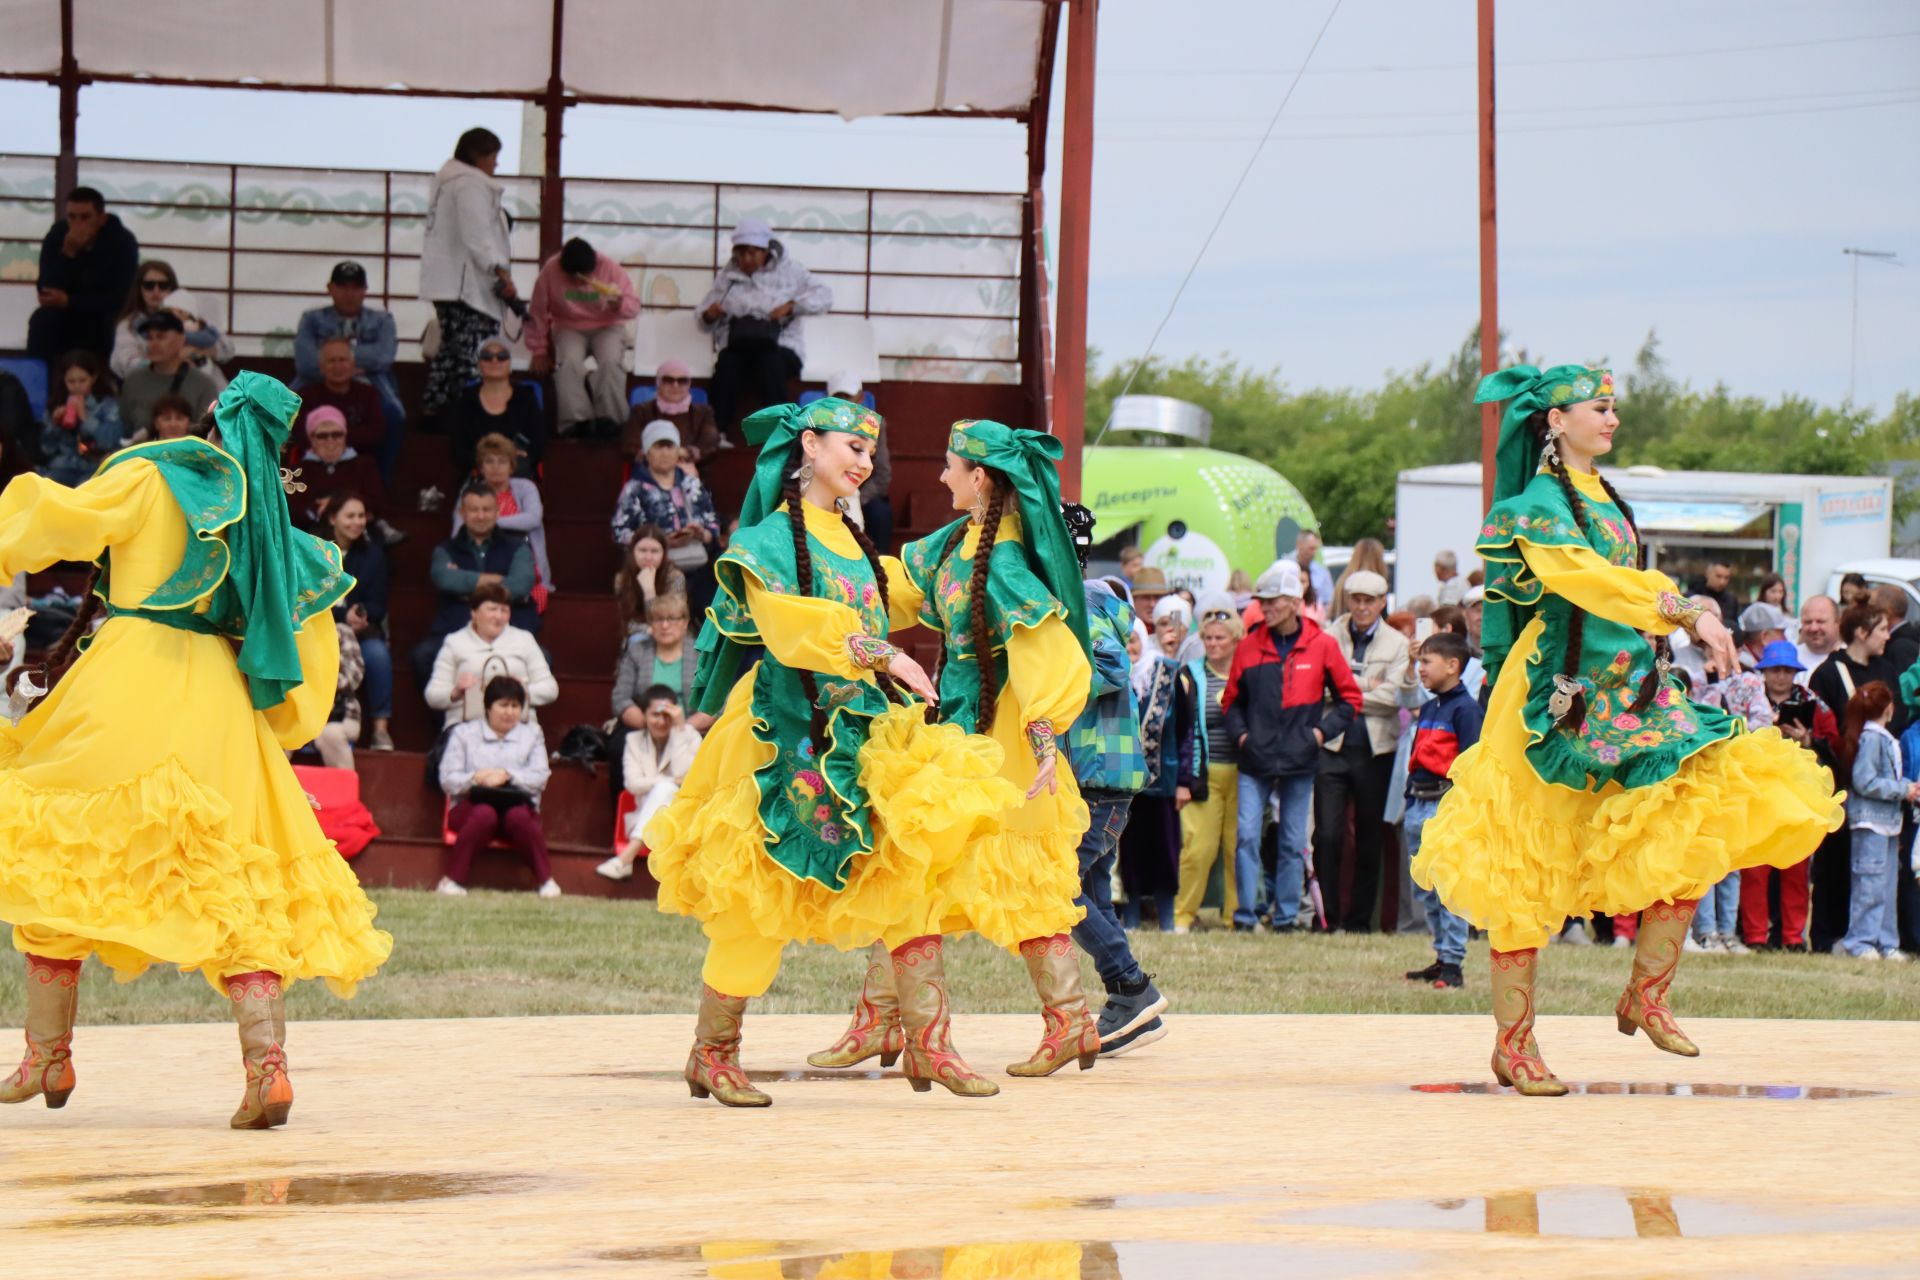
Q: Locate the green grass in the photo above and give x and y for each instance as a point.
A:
(502, 955)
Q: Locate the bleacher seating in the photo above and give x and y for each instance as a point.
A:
(671, 335)
(840, 343)
(646, 395)
(808, 397)
(33, 376)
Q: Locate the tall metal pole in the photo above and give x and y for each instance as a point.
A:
(1892, 259)
(1076, 195)
(552, 190)
(1489, 258)
(66, 169)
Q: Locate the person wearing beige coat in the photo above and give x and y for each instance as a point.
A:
(1356, 770)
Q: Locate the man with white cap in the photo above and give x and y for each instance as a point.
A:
(876, 501)
(1356, 768)
(1288, 692)
(1760, 624)
(753, 312)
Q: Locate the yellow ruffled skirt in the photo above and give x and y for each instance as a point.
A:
(942, 854)
(147, 815)
(1518, 857)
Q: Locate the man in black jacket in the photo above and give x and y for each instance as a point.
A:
(87, 265)
(1903, 646)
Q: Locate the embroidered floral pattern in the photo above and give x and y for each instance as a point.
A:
(870, 653)
(1040, 739)
(1677, 609)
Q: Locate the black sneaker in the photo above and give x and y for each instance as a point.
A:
(1448, 978)
(1427, 974)
(1135, 1039)
(1127, 1010)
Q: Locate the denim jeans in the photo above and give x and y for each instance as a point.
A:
(376, 691)
(1099, 933)
(1719, 909)
(1294, 795)
(1876, 872)
(1449, 930)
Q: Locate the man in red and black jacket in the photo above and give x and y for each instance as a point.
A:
(1289, 690)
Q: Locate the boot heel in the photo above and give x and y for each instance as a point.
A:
(887, 1059)
(1088, 1059)
(1627, 1025)
(57, 1098)
(277, 1113)
(697, 1089)
(919, 1084)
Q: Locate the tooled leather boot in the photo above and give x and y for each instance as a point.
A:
(260, 1009)
(1516, 1058)
(919, 974)
(875, 1029)
(1070, 1031)
(1656, 954)
(53, 996)
(713, 1068)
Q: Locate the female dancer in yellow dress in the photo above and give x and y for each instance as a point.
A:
(816, 811)
(1597, 786)
(1004, 581)
(147, 811)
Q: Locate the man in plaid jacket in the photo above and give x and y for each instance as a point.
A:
(1103, 746)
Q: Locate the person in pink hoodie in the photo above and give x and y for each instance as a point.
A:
(581, 305)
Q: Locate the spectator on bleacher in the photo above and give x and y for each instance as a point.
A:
(660, 656)
(172, 419)
(663, 492)
(876, 500)
(464, 263)
(330, 465)
(87, 264)
(487, 646)
(166, 372)
(644, 576)
(518, 502)
(84, 427)
(477, 553)
(505, 759)
(582, 303)
(365, 607)
(653, 765)
(374, 337)
(155, 285)
(673, 402)
(342, 730)
(357, 402)
(19, 425)
(497, 405)
(753, 312)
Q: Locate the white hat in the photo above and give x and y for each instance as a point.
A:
(1213, 602)
(658, 430)
(752, 231)
(1475, 595)
(1172, 607)
(1761, 616)
(845, 384)
(1366, 582)
(1283, 579)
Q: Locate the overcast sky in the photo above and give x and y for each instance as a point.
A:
(1690, 168)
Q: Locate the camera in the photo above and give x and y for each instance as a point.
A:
(515, 304)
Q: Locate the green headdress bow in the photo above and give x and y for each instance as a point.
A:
(775, 429)
(1027, 459)
(1528, 390)
(278, 577)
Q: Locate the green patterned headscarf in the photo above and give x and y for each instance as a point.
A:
(1027, 458)
(279, 577)
(1527, 390)
(775, 429)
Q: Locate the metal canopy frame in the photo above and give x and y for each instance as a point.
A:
(1053, 356)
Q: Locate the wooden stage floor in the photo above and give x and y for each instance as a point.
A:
(1236, 1147)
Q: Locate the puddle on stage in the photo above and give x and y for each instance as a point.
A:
(319, 1189)
(1659, 1089)
(1605, 1213)
(1034, 1260)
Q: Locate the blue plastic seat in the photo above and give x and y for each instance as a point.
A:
(808, 397)
(645, 395)
(33, 376)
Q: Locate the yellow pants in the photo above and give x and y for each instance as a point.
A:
(1208, 830)
(742, 964)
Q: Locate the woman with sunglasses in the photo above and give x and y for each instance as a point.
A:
(156, 286)
(673, 400)
(496, 405)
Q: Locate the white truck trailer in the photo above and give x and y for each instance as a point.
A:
(1802, 527)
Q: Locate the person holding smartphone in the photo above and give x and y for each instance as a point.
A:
(754, 311)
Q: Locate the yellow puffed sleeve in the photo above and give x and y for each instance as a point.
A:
(299, 719)
(805, 631)
(1583, 577)
(1049, 672)
(43, 522)
(904, 597)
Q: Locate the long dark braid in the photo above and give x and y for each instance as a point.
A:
(59, 657)
(803, 572)
(1577, 619)
(982, 633)
(886, 682)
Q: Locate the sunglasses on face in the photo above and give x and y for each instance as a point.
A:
(676, 381)
(327, 435)
(151, 285)
(488, 356)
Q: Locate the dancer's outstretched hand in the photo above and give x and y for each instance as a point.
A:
(1043, 777)
(913, 675)
(1718, 642)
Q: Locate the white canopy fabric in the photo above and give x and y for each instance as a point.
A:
(846, 57)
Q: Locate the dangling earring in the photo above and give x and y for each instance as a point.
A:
(805, 475)
(978, 508)
(1550, 455)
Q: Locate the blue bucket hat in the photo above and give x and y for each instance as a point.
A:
(1780, 653)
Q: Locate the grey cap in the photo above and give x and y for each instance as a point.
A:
(1761, 616)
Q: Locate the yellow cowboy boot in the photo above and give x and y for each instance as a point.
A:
(259, 1008)
(876, 1020)
(713, 1068)
(1070, 1031)
(1643, 1005)
(919, 975)
(53, 995)
(1516, 1058)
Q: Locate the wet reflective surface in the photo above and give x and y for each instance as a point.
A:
(321, 1189)
(799, 1075)
(1608, 1213)
(1030, 1260)
(1660, 1088)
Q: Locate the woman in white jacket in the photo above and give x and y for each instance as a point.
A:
(489, 646)
(658, 759)
(464, 262)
